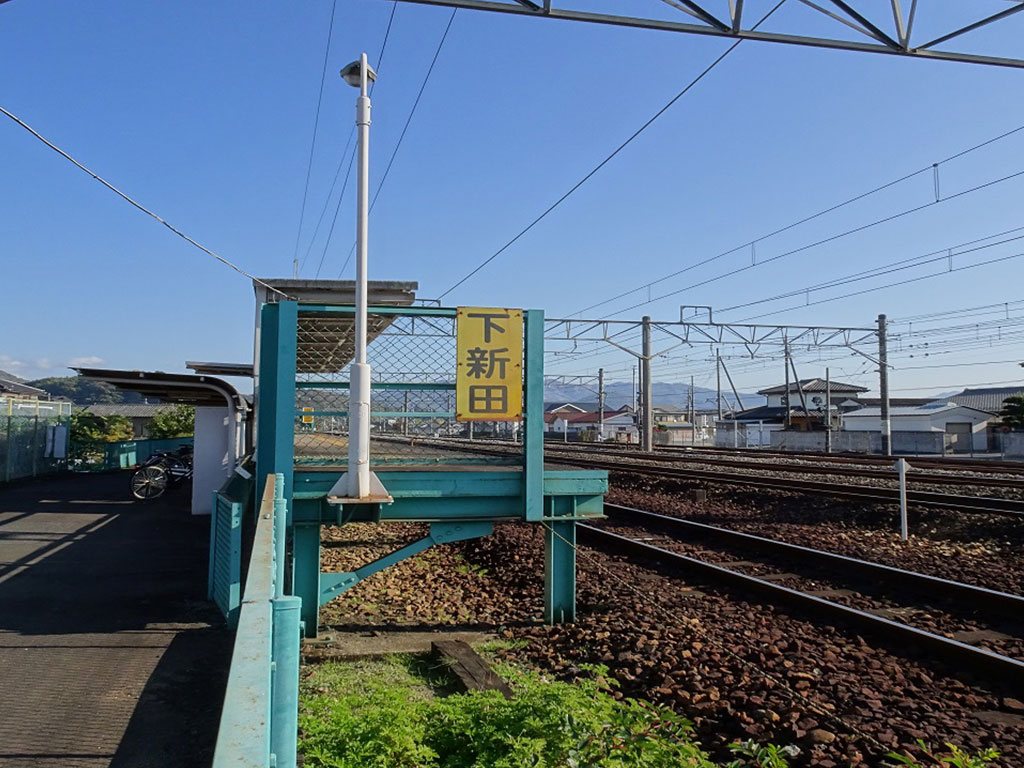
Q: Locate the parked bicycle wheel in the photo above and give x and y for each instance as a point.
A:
(149, 482)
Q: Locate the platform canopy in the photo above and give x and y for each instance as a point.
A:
(220, 369)
(326, 344)
(184, 388)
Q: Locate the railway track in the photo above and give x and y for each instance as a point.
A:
(947, 463)
(887, 474)
(854, 492)
(961, 654)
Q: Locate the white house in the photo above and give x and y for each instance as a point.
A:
(964, 428)
(619, 426)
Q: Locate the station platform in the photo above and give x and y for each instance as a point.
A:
(110, 653)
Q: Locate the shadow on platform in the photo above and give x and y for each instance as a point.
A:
(111, 653)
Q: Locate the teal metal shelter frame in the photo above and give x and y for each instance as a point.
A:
(461, 497)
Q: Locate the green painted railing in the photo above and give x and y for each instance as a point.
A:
(259, 721)
(224, 584)
(97, 457)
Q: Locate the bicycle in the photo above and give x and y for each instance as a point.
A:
(160, 471)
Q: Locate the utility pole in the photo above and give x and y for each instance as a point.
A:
(785, 398)
(600, 404)
(635, 406)
(718, 380)
(883, 386)
(693, 417)
(647, 437)
(828, 412)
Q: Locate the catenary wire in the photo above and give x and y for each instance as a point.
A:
(341, 197)
(312, 143)
(831, 209)
(831, 238)
(931, 257)
(405, 128)
(138, 205)
(609, 157)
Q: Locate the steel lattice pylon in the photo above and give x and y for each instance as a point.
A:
(872, 27)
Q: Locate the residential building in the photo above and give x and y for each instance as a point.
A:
(16, 390)
(964, 429)
(141, 414)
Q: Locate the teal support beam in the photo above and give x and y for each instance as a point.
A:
(284, 686)
(280, 534)
(275, 419)
(334, 584)
(306, 574)
(560, 560)
(533, 419)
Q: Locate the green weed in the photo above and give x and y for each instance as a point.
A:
(956, 757)
(547, 725)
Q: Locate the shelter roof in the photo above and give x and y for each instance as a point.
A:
(221, 369)
(186, 388)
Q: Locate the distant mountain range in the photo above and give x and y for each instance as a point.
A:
(676, 395)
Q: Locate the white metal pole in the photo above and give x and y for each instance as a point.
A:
(901, 467)
(359, 385)
(828, 412)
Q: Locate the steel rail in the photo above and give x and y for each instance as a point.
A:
(805, 469)
(1000, 670)
(986, 465)
(975, 504)
(975, 596)
(979, 504)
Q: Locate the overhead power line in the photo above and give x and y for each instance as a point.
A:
(405, 128)
(341, 197)
(942, 254)
(138, 205)
(832, 238)
(312, 143)
(609, 157)
(751, 244)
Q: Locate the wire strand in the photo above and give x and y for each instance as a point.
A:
(138, 205)
(312, 144)
(405, 128)
(609, 158)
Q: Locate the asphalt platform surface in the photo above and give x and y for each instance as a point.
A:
(110, 653)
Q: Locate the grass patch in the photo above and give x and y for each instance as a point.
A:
(398, 713)
(402, 712)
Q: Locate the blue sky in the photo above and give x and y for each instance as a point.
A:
(204, 112)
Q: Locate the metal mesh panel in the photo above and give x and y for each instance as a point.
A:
(33, 437)
(412, 401)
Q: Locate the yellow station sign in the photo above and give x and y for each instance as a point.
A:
(489, 376)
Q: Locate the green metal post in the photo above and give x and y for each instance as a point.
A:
(560, 560)
(284, 690)
(533, 418)
(306, 573)
(275, 442)
(280, 533)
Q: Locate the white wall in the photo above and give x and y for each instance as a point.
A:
(935, 422)
(211, 460)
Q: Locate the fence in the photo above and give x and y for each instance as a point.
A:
(99, 457)
(1011, 444)
(908, 442)
(413, 355)
(224, 583)
(259, 721)
(34, 437)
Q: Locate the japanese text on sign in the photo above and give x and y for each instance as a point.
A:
(489, 381)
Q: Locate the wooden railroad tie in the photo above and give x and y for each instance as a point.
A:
(471, 671)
